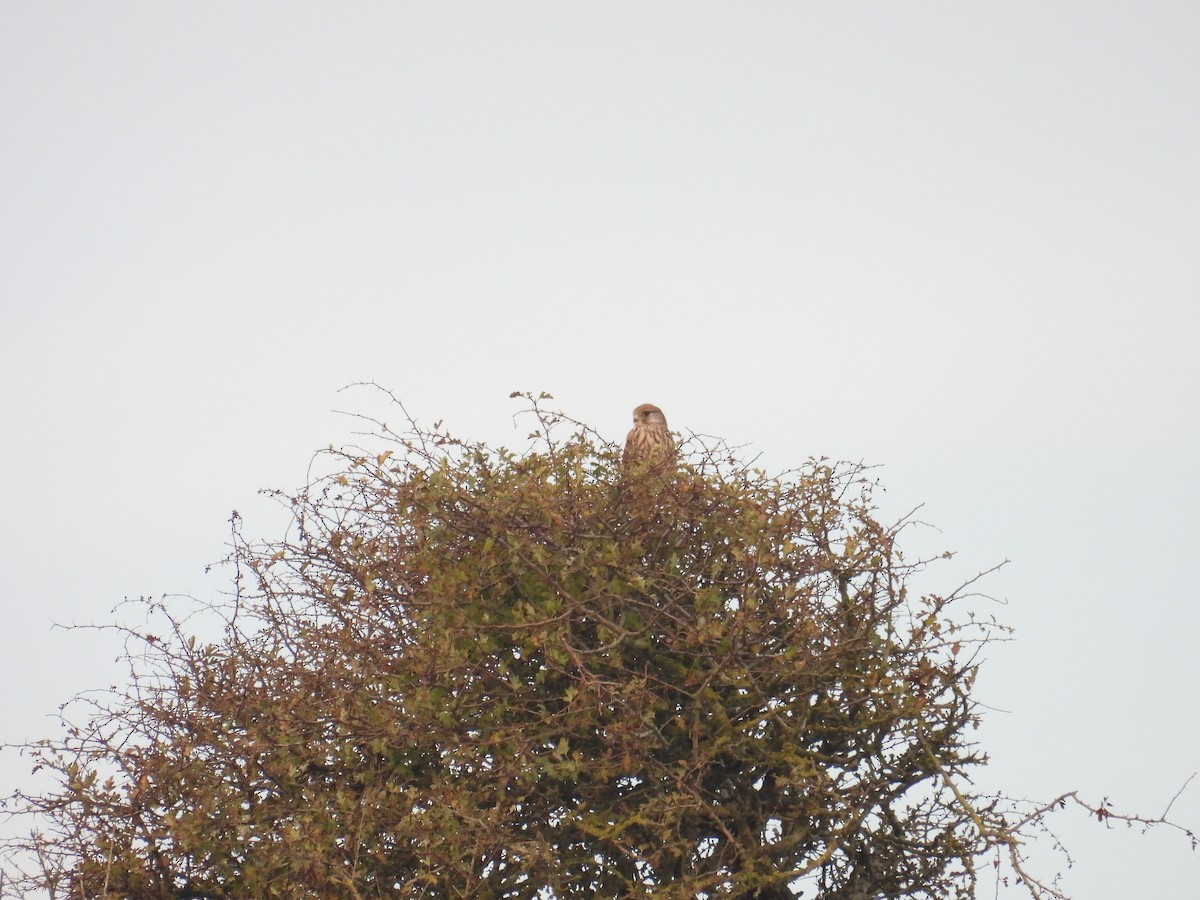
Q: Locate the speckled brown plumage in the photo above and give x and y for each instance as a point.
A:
(648, 438)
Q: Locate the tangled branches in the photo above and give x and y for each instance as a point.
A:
(470, 672)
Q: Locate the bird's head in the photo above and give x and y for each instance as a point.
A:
(649, 414)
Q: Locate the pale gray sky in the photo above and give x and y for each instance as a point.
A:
(958, 240)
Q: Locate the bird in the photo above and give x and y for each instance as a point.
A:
(648, 438)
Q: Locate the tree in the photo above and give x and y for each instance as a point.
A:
(476, 673)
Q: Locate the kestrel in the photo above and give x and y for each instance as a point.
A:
(649, 437)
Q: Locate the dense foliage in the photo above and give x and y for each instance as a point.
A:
(475, 673)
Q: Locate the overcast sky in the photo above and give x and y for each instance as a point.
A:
(960, 241)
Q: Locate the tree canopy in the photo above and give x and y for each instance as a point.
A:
(472, 672)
